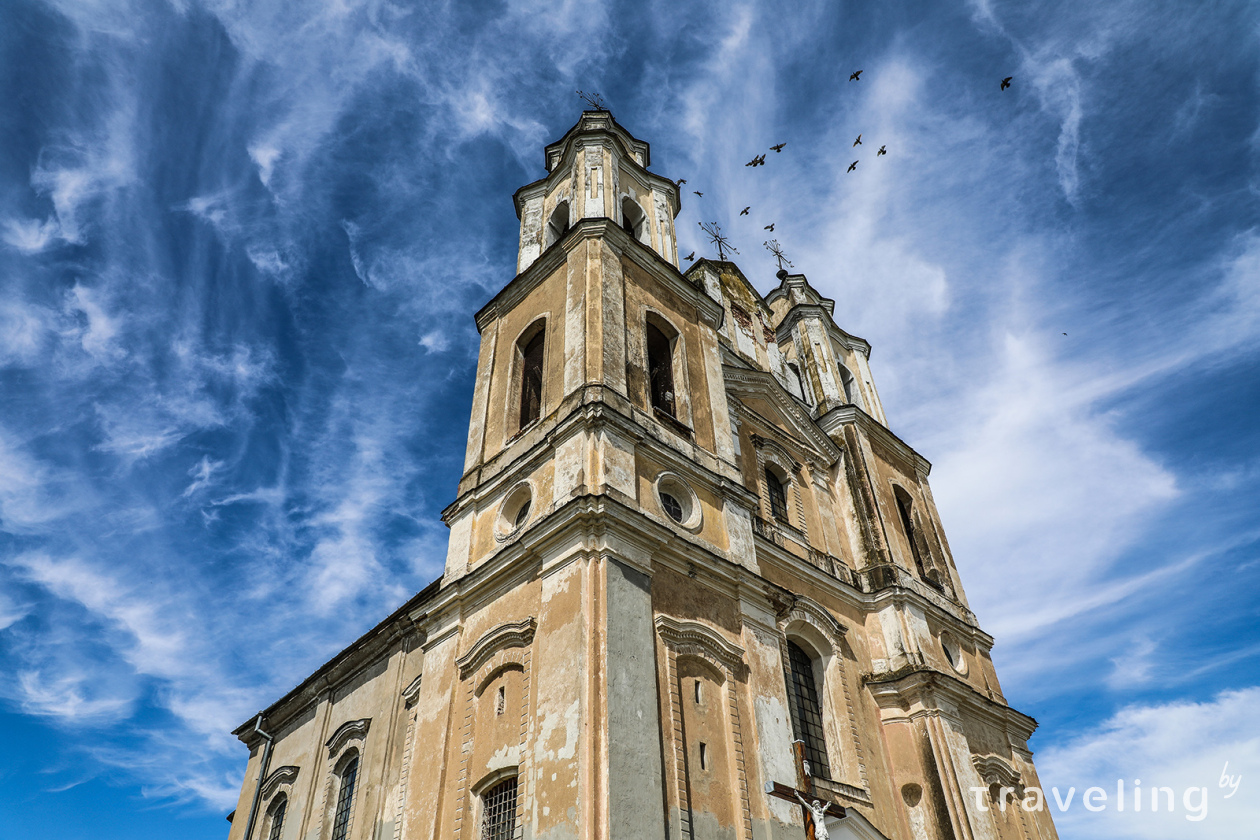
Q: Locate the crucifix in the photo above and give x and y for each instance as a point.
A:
(814, 809)
(776, 249)
(718, 239)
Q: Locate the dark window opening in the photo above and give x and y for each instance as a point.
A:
(806, 710)
(778, 496)
(522, 514)
(661, 370)
(632, 218)
(277, 819)
(704, 756)
(532, 379)
(498, 816)
(672, 507)
(345, 798)
(557, 225)
(906, 509)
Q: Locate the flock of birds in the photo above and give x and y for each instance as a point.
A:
(760, 160)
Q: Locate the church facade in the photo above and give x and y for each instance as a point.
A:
(693, 580)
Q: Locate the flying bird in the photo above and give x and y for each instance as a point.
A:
(690, 256)
(858, 142)
(682, 181)
(1065, 333)
(769, 227)
(778, 148)
(852, 166)
(757, 161)
(744, 212)
(1007, 82)
(883, 150)
(856, 77)
(697, 192)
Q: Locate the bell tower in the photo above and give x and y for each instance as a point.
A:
(693, 578)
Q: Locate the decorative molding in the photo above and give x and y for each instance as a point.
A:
(412, 691)
(277, 779)
(690, 636)
(996, 770)
(807, 611)
(347, 731)
(519, 634)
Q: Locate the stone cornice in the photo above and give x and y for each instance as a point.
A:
(277, 778)
(748, 382)
(783, 332)
(876, 432)
(346, 732)
(925, 686)
(592, 228)
(519, 634)
(693, 633)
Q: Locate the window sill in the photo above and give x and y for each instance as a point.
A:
(672, 423)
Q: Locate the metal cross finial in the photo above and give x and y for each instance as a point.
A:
(594, 100)
(776, 249)
(718, 239)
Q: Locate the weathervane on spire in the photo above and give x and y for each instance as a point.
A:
(594, 100)
(718, 239)
(776, 249)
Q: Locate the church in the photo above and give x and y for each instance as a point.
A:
(696, 588)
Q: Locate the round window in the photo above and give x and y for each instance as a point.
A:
(953, 653)
(522, 514)
(514, 511)
(678, 501)
(672, 506)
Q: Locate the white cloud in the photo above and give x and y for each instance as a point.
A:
(30, 236)
(1179, 745)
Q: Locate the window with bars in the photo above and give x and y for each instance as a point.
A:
(277, 818)
(806, 710)
(498, 811)
(778, 496)
(660, 352)
(345, 798)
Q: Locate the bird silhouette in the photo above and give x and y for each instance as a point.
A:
(697, 192)
(769, 227)
(682, 181)
(858, 142)
(852, 166)
(1007, 82)
(778, 147)
(856, 77)
(883, 150)
(744, 212)
(1065, 333)
(752, 162)
(690, 256)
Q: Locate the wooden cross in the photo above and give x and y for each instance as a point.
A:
(795, 796)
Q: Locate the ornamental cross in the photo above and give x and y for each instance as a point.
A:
(814, 809)
(776, 249)
(594, 100)
(717, 238)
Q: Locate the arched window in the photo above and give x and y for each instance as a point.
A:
(905, 508)
(498, 811)
(633, 220)
(850, 386)
(276, 815)
(806, 710)
(531, 377)
(660, 353)
(345, 799)
(776, 495)
(557, 225)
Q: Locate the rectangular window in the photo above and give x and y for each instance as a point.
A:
(806, 710)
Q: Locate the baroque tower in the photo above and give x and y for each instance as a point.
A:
(692, 575)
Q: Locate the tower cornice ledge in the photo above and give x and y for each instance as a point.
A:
(607, 230)
(917, 685)
(875, 431)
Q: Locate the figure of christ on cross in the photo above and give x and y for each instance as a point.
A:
(814, 811)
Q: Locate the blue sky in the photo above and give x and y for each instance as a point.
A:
(241, 245)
